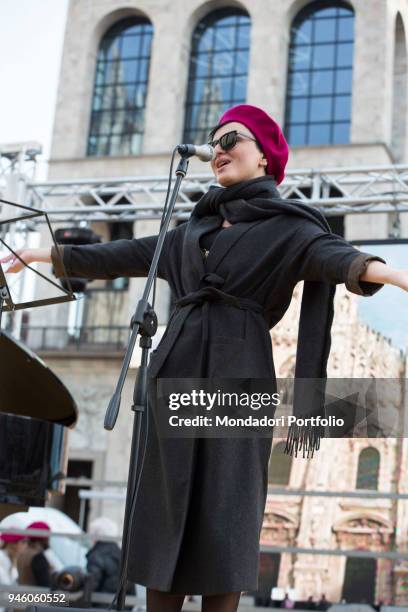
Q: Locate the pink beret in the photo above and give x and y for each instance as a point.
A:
(11, 537)
(40, 525)
(266, 131)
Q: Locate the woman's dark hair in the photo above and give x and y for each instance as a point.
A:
(217, 127)
(212, 132)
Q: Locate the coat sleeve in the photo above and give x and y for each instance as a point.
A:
(112, 259)
(95, 567)
(41, 570)
(323, 256)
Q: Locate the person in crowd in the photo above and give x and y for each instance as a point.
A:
(310, 604)
(103, 559)
(287, 602)
(33, 566)
(11, 547)
(323, 604)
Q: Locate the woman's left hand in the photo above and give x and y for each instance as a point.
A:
(400, 279)
(378, 272)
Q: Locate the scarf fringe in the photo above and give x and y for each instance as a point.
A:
(306, 438)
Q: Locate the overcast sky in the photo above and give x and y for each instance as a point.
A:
(31, 39)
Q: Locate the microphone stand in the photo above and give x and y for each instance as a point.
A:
(143, 322)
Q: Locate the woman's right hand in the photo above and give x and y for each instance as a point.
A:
(28, 256)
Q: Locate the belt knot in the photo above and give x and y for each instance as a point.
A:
(212, 279)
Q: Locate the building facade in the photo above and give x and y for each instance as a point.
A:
(140, 76)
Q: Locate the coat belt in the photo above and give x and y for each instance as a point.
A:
(211, 293)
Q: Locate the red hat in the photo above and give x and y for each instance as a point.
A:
(40, 525)
(266, 131)
(11, 537)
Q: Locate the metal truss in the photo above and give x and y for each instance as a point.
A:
(18, 158)
(335, 191)
(272, 490)
(401, 554)
(336, 552)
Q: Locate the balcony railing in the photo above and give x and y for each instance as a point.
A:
(107, 338)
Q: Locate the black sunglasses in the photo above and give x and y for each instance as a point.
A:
(229, 140)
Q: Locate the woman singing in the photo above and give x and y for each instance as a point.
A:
(232, 269)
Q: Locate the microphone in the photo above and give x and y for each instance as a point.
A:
(204, 152)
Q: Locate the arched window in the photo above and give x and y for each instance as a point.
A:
(119, 97)
(368, 468)
(320, 68)
(218, 70)
(279, 466)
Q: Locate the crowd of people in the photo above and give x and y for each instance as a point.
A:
(29, 560)
(323, 604)
(24, 560)
(310, 604)
(288, 603)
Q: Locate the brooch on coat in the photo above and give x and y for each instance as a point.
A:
(205, 252)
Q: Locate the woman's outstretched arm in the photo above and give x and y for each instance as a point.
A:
(28, 256)
(378, 272)
(324, 256)
(98, 261)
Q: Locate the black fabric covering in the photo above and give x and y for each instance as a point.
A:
(41, 570)
(103, 563)
(201, 501)
(256, 200)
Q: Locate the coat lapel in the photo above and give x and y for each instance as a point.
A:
(193, 264)
(225, 241)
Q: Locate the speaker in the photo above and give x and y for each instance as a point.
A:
(72, 236)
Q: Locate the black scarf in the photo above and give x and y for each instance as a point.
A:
(259, 199)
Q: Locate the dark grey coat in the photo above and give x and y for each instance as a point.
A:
(201, 503)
